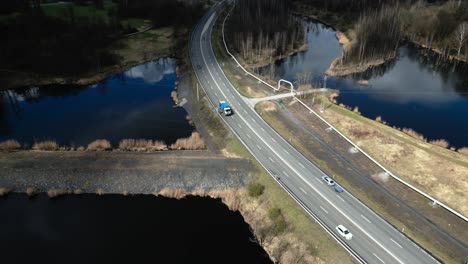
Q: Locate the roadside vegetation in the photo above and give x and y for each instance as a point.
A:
(193, 142)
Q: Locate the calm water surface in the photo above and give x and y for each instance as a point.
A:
(134, 104)
(416, 90)
(119, 229)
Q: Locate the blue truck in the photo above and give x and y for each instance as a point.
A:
(225, 108)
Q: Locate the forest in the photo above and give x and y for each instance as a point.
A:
(376, 28)
(262, 30)
(69, 43)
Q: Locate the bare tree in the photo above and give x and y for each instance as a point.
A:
(460, 36)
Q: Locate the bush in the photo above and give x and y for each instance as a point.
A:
(255, 189)
(10, 145)
(413, 134)
(48, 145)
(99, 145)
(440, 142)
(463, 151)
(280, 225)
(141, 145)
(274, 213)
(194, 142)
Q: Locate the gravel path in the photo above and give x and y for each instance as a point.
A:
(119, 172)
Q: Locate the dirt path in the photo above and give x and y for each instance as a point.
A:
(120, 172)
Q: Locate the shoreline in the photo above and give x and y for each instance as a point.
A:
(263, 63)
(85, 80)
(342, 70)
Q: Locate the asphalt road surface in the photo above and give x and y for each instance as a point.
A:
(374, 240)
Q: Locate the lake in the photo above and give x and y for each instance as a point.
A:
(416, 90)
(114, 229)
(135, 104)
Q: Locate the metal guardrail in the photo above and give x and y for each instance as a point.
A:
(432, 199)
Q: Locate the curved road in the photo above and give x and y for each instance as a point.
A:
(374, 241)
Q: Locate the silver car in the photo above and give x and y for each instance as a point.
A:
(328, 180)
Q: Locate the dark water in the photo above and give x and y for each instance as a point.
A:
(118, 229)
(135, 104)
(416, 90)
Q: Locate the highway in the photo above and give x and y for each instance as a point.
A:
(374, 240)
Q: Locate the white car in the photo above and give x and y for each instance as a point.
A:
(329, 181)
(344, 232)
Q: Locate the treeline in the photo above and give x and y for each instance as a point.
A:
(377, 35)
(377, 27)
(163, 12)
(69, 45)
(261, 29)
(43, 44)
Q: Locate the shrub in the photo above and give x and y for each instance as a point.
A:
(48, 145)
(413, 134)
(255, 189)
(194, 142)
(52, 193)
(440, 142)
(10, 145)
(378, 119)
(174, 97)
(280, 225)
(274, 213)
(30, 191)
(463, 150)
(4, 191)
(99, 145)
(141, 145)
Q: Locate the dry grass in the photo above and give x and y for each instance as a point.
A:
(99, 145)
(30, 191)
(9, 145)
(173, 193)
(141, 145)
(48, 145)
(189, 120)
(409, 156)
(356, 110)
(4, 191)
(440, 142)
(53, 193)
(175, 97)
(194, 142)
(378, 119)
(80, 148)
(100, 191)
(413, 134)
(463, 150)
(78, 191)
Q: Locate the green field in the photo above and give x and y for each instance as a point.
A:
(89, 12)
